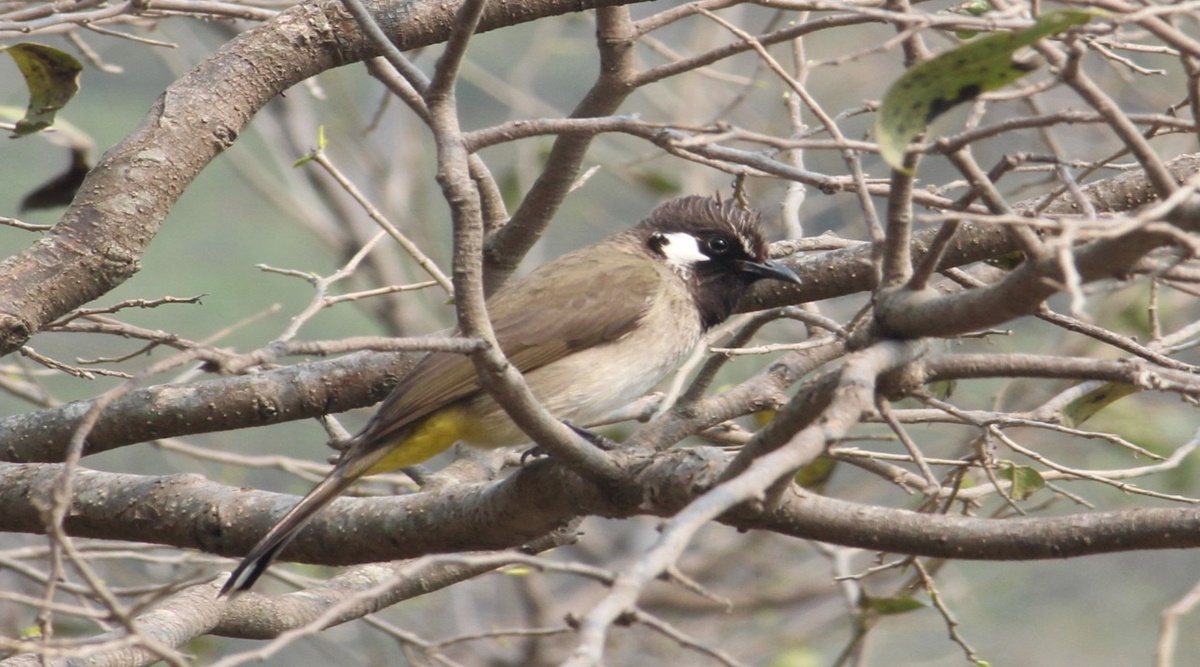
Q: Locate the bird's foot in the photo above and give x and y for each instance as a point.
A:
(534, 452)
(607, 444)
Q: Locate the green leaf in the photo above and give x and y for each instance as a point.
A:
(815, 475)
(931, 88)
(31, 632)
(974, 8)
(52, 77)
(1026, 481)
(1085, 407)
(942, 389)
(896, 605)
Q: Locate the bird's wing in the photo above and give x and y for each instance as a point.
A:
(568, 305)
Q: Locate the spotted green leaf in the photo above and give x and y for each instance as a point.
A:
(52, 77)
(1085, 407)
(931, 88)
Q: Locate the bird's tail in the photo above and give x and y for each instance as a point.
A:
(354, 464)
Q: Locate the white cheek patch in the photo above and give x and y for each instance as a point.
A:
(682, 249)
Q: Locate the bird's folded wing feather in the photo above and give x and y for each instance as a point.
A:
(565, 306)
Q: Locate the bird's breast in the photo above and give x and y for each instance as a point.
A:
(606, 377)
(588, 384)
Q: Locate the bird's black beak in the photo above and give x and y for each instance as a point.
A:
(770, 269)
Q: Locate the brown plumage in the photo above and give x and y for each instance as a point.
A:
(591, 331)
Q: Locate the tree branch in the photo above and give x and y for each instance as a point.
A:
(302, 391)
(124, 199)
(192, 512)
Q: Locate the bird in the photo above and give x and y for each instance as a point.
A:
(591, 331)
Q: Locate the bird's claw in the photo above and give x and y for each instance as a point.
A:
(534, 452)
(606, 444)
(592, 437)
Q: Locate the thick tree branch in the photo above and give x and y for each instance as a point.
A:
(192, 512)
(303, 391)
(921, 314)
(828, 274)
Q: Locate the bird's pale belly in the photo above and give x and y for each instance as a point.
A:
(587, 385)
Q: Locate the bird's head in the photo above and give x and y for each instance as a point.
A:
(717, 248)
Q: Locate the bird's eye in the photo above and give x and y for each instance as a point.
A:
(718, 245)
